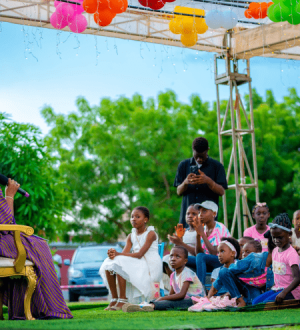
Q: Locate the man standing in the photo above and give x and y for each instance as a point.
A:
(199, 178)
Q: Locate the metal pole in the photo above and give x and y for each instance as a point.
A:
(253, 135)
(235, 162)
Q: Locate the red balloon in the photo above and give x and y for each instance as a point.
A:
(143, 3)
(248, 13)
(118, 6)
(104, 17)
(90, 6)
(158, 5)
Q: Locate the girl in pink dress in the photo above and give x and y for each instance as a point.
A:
(285, 262)
(260, 214)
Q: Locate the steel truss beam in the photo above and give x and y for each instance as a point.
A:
(234, 114)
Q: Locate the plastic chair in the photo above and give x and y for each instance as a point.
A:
(161, 248)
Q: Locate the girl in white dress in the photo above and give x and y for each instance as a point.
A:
(137, 271)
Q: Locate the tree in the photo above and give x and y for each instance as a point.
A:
(122, 154)
(24, 158)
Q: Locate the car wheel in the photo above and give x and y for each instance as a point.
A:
(73, 297)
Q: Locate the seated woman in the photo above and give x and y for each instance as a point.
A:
(209, 234)
(47, 300)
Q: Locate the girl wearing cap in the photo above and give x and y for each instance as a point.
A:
(285, 262)
(261, 214)
(209, 234)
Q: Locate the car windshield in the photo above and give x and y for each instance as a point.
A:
(90, 255)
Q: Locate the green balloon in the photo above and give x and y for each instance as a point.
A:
(294, 18)
(271, 13)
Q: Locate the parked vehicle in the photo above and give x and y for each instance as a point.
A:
(84, 269)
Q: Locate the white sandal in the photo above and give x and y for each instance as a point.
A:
(109, 308)
(116, 308)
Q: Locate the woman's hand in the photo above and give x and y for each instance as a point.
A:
(11, 188)
(175, 239)
(198, 225)
(111, 253)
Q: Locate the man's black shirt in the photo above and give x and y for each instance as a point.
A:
(200, 192)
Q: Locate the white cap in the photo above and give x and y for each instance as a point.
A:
(209, 205)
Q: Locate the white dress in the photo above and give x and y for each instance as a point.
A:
(140, 274)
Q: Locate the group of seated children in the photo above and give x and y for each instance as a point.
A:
(263, 266)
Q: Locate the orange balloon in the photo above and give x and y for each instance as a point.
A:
(90, 6)
(248, 13)
(102, 5)
(118, 6)
(104, 17)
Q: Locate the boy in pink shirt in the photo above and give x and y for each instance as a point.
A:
(260, 214)
(285, 262)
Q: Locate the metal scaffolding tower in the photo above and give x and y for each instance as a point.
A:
(240, 125)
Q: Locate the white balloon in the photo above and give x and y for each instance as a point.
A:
(229, 20)
(213, 18)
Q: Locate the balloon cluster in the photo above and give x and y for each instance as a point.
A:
(216, 19)
(257, 10)
(69, 14)
(154, 4)
(104, 10)
(188, 26)
(283, 10)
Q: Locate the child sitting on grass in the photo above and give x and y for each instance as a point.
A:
(285, 262)
(184, 285)
(228, 252)
(188, 240)
(136, 271)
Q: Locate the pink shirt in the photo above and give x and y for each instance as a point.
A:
(215, 237)
(282, 263)
(252, 232)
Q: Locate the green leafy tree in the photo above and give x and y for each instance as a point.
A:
(122, 154)
(24, 158)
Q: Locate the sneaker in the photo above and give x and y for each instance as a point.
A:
(201, 303)
(220, 303)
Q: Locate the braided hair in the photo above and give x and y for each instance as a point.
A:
(271, 245)
(200, 144)
(144, 210)
(257, 205)
(283, 220)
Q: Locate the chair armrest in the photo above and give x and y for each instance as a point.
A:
(17, 230)
(23, 229)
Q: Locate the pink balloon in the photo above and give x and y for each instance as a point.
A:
(79, 24)
(58, 21)
(65, 10)
(78, 9)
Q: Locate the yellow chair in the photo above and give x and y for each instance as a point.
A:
(18, 267)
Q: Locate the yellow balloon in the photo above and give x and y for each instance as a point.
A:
(175, 26)
(189, 25)
(201, 26)
(189, 39)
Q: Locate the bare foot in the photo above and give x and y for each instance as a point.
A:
(240, 302)
(112, 303)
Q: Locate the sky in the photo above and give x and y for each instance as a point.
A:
(41, 67)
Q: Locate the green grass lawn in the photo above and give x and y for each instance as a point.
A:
(93, 316)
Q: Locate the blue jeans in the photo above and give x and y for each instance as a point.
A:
(165, 305)
(270, 296)
(235, 286)
(204, 262)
